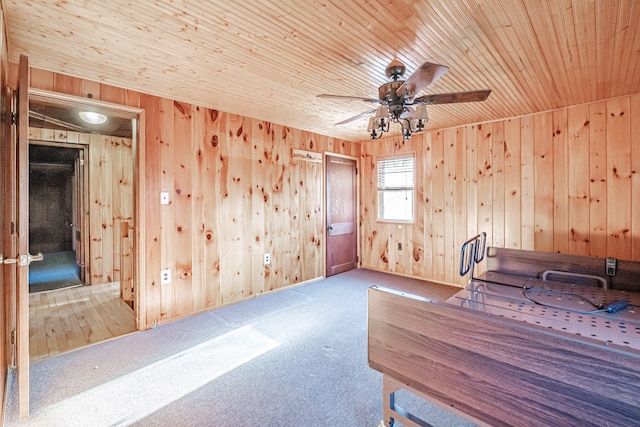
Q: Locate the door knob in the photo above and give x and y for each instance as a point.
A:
(24, 260)
(38, 257)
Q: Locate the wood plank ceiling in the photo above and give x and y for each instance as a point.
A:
(268, 59)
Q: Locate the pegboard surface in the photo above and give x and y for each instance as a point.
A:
(565, 307)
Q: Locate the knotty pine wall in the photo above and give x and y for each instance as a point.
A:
(110, 167)
(564, 181)
(235, 194)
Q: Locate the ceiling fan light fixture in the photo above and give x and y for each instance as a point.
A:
(419, 119)
(92, 117)
(380, 122)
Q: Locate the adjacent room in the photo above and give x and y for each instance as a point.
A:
(372, 213)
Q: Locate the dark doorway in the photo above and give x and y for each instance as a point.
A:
(51, 217)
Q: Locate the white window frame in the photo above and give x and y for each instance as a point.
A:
(390, 185)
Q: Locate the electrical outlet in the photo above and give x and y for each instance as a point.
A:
(267, 259)
(165, 277)
(610, 266)
(164, 198)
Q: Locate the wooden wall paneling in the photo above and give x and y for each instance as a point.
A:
(438, 197)
(527, 187)
(399, 241)
(379, 235)
(471, 176)
(35, 133)
(449, 169)
(485, 178)
(276, 221)
(427, 208)
(286, 233)
(66, 84)
(598, 179)
(416, 245)
(311, 220)
(132, 98)
(306, 218)
(295, 171)
(497, 183)
(112, 94)
(259, 130)
(41, 79)
(512, 184)
(368, 205)
(126, 260)
(578, 180)
(635, 176)
(165, 146)
(125, 180)
(461, 233)
(543, 169)
(117, 190)
(251, 258)
(198, 289)
(232, 274)
(211, 207)
(107, 199)
(315, 202)
(619, 178)
(385, 251)
(90, 89)
(152, 220)
(96, 167)
(269, 168)
(560, 182)
(183, 230)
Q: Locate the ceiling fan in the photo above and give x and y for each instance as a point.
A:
(398, 103)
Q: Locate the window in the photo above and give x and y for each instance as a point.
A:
(396, 177)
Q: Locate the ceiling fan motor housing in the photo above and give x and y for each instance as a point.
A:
(395, 69)
(387, 94)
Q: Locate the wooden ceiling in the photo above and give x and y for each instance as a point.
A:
(268, 59)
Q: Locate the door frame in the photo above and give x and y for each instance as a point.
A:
(123, 111)
(325, 205)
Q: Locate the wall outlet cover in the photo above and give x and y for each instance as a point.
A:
(165, 277)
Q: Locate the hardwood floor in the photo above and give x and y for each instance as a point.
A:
(67, 319)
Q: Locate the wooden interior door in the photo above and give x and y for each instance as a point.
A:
(342, 215)
(23, 258)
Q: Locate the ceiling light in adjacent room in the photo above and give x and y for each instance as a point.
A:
(93, 117)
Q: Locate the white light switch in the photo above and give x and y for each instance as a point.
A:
(164, 198)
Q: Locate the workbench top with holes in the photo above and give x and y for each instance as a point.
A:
(588, 312)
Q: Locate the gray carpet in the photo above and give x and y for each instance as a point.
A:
(297, 357)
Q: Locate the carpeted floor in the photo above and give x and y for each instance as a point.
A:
(57, 270)
(296, 357)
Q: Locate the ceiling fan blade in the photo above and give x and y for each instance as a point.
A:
(421, 78)
(352, 98)
(453, 97)
(366, 113)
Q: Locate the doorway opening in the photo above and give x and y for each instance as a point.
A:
(81, 219)
(55, 207)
